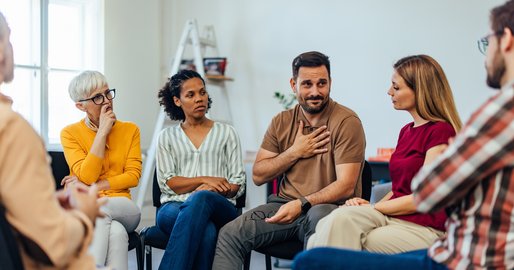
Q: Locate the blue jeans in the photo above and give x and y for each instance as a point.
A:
(193, 227)
(332, 258)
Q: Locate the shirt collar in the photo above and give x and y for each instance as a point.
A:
(325, 115)
(509, 84)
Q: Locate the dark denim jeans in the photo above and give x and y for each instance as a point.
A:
(193, 227)
(332, 258)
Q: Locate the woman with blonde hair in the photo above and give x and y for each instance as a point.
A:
(392, 225)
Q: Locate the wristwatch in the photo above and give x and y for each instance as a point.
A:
(306, 205)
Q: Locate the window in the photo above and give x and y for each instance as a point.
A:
(53, 40)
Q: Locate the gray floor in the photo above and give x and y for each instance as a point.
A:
(256, 263)
(255, 195)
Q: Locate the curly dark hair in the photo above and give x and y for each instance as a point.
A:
(172, 89)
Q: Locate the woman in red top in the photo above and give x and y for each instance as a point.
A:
(392, 225)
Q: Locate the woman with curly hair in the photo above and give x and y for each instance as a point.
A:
(200, 173)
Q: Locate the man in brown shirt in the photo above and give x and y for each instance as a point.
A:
(317, 149)
(52, 230)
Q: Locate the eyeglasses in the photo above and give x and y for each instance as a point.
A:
(483, 43)
(100, 98)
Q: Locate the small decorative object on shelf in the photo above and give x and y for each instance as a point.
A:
(218, 78)
(287, 101)
(383, 154)
(188, 64)
(214, 66)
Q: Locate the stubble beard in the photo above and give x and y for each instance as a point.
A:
(495, 75)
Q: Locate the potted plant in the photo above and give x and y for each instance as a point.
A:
(287, 101)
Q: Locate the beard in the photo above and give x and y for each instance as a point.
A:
(314, 110)
(495, 74)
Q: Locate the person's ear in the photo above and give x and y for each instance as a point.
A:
(177, 101)
(506, 40)
(292, 81)
(80, 106)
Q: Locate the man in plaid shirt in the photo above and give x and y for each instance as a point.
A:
(473, 180)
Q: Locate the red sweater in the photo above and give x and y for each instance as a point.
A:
(407, 160)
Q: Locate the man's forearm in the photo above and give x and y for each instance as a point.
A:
(266, 169)
(333, 193)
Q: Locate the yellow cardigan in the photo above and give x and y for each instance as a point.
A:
(121, 165)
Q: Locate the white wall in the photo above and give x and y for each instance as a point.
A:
(363, 39)
(260, 38)
(133, 60)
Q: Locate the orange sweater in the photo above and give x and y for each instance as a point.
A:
(121, 165)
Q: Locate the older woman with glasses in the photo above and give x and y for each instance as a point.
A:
(103, 151)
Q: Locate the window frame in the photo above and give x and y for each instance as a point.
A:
(95, 25)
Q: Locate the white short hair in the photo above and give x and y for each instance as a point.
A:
(86, 82)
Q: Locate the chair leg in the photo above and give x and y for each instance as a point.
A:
(139, 257)
(247, 261)
(148, 252)
(268, 262)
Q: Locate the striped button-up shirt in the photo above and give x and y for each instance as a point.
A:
(219, 155)
(474, 180)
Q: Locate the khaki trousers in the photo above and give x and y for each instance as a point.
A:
(364, 228)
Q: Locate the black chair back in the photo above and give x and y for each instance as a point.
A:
(366, 180)
(60, 168)
(9, 251)
(156, 191)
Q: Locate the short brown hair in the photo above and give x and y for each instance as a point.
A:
(310, 59)
(503, 17)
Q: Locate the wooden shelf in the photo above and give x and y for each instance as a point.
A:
(218, 78)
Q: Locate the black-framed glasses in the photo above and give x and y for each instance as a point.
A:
(483, 43)
(100, 98)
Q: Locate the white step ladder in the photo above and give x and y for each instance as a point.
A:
(190, 36)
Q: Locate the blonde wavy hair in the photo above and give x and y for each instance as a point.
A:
(434, 98)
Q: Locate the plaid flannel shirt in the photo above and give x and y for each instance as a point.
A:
(474, 180)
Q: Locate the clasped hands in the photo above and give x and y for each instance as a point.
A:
(81, 197)
(356, 201)
(217, 184)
